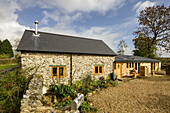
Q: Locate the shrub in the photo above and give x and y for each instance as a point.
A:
(87, 81)
(113, 83)
(62, 104)
(84, 89)
(86, 108)
(63, 91)
(101, 78)
(12, 87)
(77, 84)
(4, 56)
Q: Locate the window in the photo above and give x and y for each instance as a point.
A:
(127, 65)
(57, 71)
(132, 65)
(136, 66)
(98, 69)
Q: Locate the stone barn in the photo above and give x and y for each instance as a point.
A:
(65, 57)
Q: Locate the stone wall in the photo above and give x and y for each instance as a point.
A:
(32, 99)
(82, 65)
(42, 62)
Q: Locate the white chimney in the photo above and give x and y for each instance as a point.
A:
(36, 25)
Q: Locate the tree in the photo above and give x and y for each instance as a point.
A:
(153, 31)
(6, 48)
(16, 43)
(142, 44)
(0, 46)
(122, 46)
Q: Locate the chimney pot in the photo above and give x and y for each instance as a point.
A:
(36, 25)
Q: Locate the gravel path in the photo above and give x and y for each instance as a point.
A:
(136, 96)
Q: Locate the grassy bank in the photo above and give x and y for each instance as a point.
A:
(6, 66)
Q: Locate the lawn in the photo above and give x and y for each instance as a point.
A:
(6, 66)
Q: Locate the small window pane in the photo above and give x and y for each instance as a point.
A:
(61, 69)
(100, 69)
(55, 71)
(132, 64)
(136, 66)
(118, 66)
(96, 69)
(127, 65)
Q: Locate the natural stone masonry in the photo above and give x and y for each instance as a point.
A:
(32, 99)
(82, 65)
(44, 60)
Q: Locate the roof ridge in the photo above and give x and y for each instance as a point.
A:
(65, 35)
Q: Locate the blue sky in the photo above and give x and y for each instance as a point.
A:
(108, 20)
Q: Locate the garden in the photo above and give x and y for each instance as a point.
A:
(61, 95)
(12, 87)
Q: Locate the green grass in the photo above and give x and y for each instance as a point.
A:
(6, 66)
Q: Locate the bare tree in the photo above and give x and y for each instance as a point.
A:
(16, 43)
(122, 46)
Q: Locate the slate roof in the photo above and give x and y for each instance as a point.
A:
(48, 42)
(130, 58)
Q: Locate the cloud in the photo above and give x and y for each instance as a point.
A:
(9, 27)
(142, 5)
(62, 12)
(70, 6)
(60, 18)
(67, 11)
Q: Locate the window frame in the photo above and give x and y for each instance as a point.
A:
(57, 72)
(98, 70)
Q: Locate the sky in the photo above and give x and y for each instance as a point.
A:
(107, 20)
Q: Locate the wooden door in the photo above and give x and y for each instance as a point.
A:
(118, 69)
(156, 67)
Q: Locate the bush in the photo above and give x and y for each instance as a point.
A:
(4, 56)
(62, 104)
(84, 90)
(64, 93)
(87, 81)
(113, 83)
(86, 108)
(77, 84)
(12, 87)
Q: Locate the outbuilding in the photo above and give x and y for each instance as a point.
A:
(124, 64)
